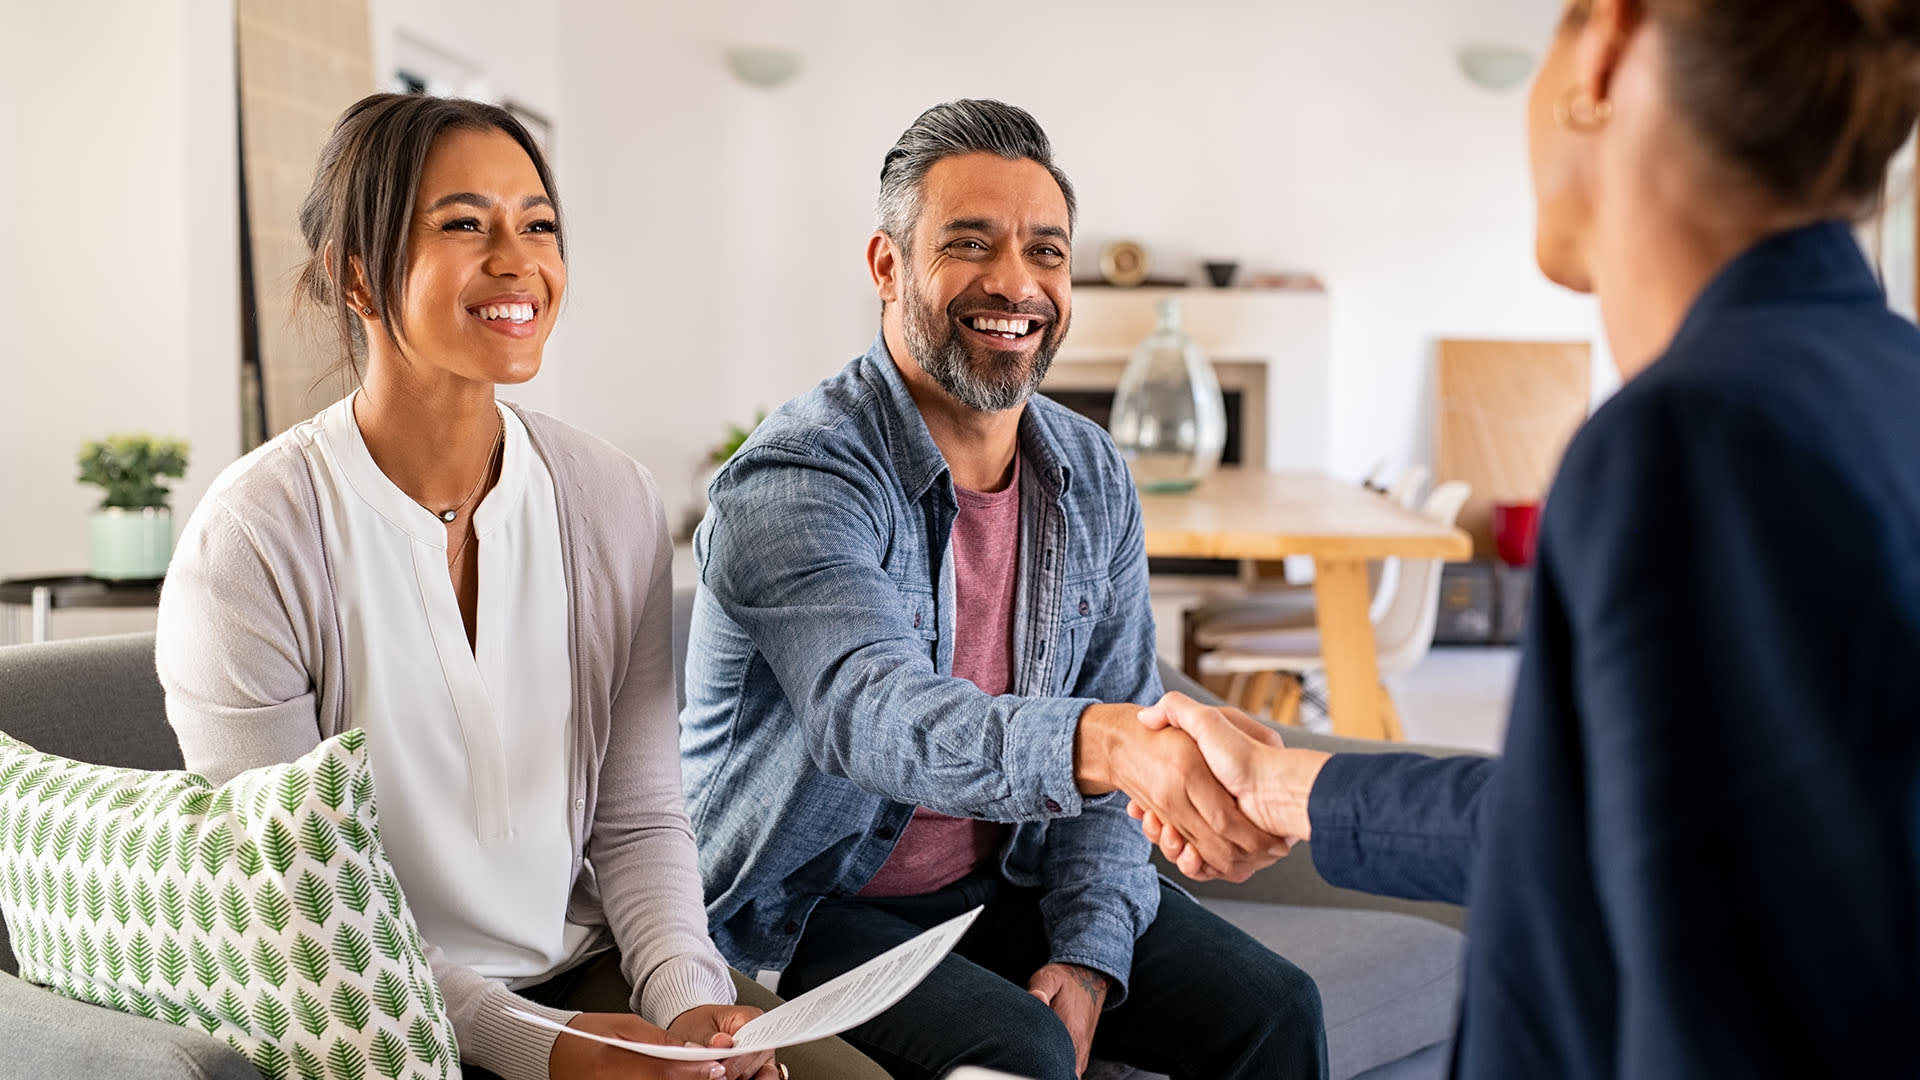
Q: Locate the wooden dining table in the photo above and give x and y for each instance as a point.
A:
(1259, 514)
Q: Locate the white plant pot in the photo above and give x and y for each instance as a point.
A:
(129, 545)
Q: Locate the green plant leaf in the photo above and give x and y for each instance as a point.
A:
(363, 787)
(159, 846)
(234, 963)
(390, 888)
(89, 954)
(200, 905)
(426, 1045)
(118, 902)
(330, 782)
(350, 947)
(139, 1002)
(143, 901)
(140, 957)
(387, 937)
(64, 837)
(270, 1014)
(173, 1012)
(206, 1016)
(308, 1066)
(357, 836)
(276, 843)
(351, 1007)
(314, 897)
(388, 1054)
(271, 1061)
(234, 1011)
(309, 1013)
(233, 908)
(216, 847)
(356, 891)
(271, 904)
(247, 858)
(346, 1062)
(89, 841)
(292, 790)
(268, 963)
(206, 969)
(172, 908)
(70, 893)
(93, 897)
(318, 839)
(195, 803)
(390, 994)
(112, 960)
(309, 959)
(183, 848)
(173, 963)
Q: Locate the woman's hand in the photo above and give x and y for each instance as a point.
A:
(584, 1059)
(715, 1025)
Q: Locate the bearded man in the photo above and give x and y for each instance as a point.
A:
(920, 643)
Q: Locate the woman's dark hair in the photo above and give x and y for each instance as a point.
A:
(361, 202)
(1809, 98)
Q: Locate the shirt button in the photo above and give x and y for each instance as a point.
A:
(1085, 607)
(884, 832)
(792, 928)
(1052, 807)
(916, 620)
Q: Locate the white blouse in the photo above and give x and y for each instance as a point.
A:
(468, 746)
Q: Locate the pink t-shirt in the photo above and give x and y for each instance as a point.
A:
(936, 850)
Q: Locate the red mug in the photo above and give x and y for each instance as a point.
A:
(1515, 528)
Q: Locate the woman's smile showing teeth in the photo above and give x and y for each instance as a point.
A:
(512, 316)
(512, 312)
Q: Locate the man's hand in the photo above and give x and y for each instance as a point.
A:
(584, 1059)
(1076, 995)
(716, 1025)
(1162, 770)
(1271, 782)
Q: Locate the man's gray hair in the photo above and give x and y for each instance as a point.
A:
(969, 126)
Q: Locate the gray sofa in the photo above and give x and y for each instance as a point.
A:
(1388, 971)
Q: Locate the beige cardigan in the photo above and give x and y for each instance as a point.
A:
(249, 652)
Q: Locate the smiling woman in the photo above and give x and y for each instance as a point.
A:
(334, 579)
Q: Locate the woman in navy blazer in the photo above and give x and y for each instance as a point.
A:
(1698, 855)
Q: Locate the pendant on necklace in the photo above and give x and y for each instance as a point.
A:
(448, 515)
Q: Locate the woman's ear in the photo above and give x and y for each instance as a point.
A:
(1602, 40)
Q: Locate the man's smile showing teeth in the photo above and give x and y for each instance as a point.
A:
(1007, 328)
(516, 313)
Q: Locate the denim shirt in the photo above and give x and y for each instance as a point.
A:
(821, 701)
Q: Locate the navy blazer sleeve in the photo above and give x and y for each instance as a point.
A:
(1401, 825)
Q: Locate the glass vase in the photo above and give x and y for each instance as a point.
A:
(1169, 419)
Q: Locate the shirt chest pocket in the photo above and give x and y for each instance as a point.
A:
(916, 606)
(1084, 602)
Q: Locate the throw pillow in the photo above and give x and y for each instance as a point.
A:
(263, 912)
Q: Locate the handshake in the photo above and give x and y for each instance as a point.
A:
(1215, 789)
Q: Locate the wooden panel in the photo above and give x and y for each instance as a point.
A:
(1507, 410)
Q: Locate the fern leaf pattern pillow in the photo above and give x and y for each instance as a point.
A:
(263, 912)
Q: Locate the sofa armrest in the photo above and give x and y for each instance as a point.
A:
(1293, 880)
(58, 1038)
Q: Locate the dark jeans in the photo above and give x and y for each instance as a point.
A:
(1205, 1001)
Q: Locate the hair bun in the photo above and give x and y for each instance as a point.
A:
(1890, 22)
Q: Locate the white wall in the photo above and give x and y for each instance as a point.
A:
(718, 228)
(121, 264)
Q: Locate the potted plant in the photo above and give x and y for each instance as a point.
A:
(131, 532)
(709, 466)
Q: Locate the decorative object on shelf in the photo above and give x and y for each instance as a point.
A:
(1298, 280)
(764, 68)
(1221, 271)
(1124, 263)
(1169, 420)
(1495, 67)
(131, 533)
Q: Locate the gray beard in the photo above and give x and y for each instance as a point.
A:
(984, 386)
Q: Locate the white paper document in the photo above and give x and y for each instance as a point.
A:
(828, 1009)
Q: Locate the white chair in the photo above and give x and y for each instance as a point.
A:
(1267, 666)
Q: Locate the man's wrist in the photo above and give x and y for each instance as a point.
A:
(1097, 741)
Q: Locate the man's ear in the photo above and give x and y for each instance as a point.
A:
(1603, 40)
(886, 263)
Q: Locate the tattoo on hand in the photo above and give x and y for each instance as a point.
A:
(1094, 983)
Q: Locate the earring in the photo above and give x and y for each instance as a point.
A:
(1577, 111)
(366, 311)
